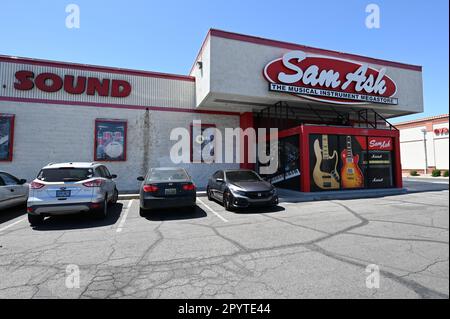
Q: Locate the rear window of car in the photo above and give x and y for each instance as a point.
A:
(155, 175)
(242, 176)
(65, 174)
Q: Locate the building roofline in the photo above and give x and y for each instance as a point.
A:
(95, 68)
(424, 119)
(294, 46)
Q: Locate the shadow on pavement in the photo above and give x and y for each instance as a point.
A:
(81, 220)
(11, 213)
(260, 210)
(175, 214)
(254, 210)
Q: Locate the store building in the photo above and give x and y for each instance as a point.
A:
(424, 144)
(331, 110)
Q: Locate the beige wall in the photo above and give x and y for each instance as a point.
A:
(236, 73)
(412, 147)
(65, 133)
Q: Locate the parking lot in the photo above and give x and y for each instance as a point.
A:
(297, 250)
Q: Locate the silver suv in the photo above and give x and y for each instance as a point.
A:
(66, 188)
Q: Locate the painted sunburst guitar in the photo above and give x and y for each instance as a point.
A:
(351, 174)
(325, 173)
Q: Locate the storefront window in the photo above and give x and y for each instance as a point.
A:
(6, 137)
(110, 140)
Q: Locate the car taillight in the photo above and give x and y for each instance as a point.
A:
(189, 187)
(94, 183)
(150, 188)
(36, 185)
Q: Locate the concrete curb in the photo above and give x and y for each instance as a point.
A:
(297, 197)
(287, 196)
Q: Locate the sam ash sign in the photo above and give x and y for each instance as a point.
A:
(329, 80)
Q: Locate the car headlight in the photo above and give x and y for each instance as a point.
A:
(273, 191)
(237, 191)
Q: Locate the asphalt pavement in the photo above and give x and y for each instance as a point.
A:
(388, 247)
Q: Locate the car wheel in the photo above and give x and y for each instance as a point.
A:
(208, 193)
(142, 212)
(227, 202)
(35, 219)
(115, 197)
(103, 211)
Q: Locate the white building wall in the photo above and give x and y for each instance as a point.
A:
(146, 90)
(237, 74)
(413, 150)
(202, 74)
(59, 133)
(441, 148)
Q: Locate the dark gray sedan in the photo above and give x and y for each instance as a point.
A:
(166, 187)
(241, 189)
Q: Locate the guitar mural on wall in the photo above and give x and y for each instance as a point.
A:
(351, 174)
(325, 172)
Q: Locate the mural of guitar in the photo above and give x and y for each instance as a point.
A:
(325, 174)
(351, 174)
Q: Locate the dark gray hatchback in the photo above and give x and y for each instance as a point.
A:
(166, 187)
(241, 189)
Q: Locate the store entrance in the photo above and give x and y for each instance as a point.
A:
(288, 150)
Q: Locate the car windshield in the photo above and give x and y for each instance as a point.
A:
(176, 174)
(65, 174)
(242, 176)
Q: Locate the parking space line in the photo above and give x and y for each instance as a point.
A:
(212, 210)
(124, 217)
(11, 225)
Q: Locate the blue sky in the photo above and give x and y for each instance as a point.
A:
(166, 35)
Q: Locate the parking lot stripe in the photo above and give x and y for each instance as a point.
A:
(124, 217)
(212, 210)
(11, 225)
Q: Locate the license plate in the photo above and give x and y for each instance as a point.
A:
(62, 193)
(170, 191)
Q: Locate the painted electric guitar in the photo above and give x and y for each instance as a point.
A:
(325, 174)
(351, 174)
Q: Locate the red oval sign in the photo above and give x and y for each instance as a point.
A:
(329, 80)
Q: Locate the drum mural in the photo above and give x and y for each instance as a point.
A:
(110, 140)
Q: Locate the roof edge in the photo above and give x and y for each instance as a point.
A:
(96, 68)
(424, 119)
(294, 46)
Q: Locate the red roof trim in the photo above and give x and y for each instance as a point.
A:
(95, 68)
(293, 46)
(119, 106)
(440, 118)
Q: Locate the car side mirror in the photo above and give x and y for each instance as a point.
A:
(141, 178)
(219, 180)
(113, 176)
(22, 181)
